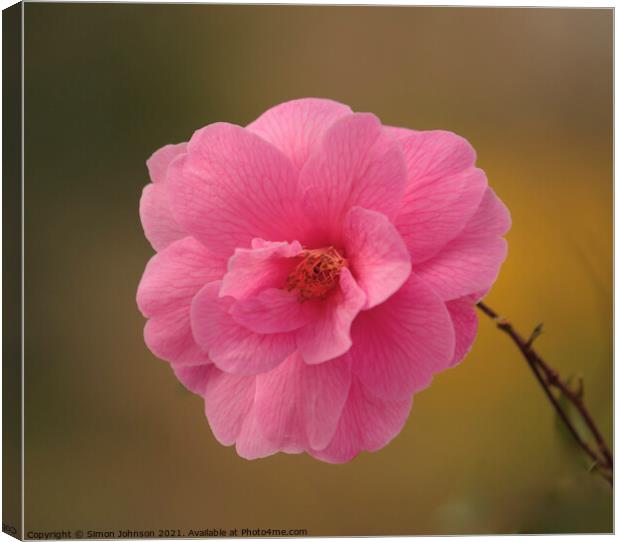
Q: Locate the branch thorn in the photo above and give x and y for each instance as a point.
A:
(579, 391)
(535, 334)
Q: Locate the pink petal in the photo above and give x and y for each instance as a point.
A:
(228, 400)
(376, 253)
(232, 347)
(329, 335)
(194, 378)
(251, 444)
(491, 218)
(399, 133)
(265, 265)
(444, 189)
(173, 276)
(279, 413)
(159, 161)
(273, 311)
(296, 127)
(169, 336)
(326, 390)
(170, 281)
(299, 405)
(464, 266)
(160, 227)
(470, 263)
(465, 322)
(356, 164)
(367, 423)
(399, 345)
(233, 186)
(434, 154)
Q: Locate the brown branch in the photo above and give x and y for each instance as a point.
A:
(549, 379)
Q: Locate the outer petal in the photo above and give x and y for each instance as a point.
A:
(491, 218)
(174, 276)
(358, 163)
(465, 322)
(399, 133)
(434, 154)
(274, 311)
(169, 336)
(233, 186)
(296, 127)
(399, 345)
(470, 263)
(328, 336)
(160, 227)
(251, 444)
(228, 401)
(230, 408)
(444, 189)
(232, 347)
(464, 266)
(265, 265)
(159, 161)
(376, 253)
(193, 377)
(299, 405)
(170, 281)
(367, 423)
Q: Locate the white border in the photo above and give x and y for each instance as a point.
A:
(438, 3)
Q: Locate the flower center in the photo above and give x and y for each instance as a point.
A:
(316, 274)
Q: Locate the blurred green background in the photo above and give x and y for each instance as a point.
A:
(113, 441)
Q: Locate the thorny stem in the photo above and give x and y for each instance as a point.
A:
(549, 380)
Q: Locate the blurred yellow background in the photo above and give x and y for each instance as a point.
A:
(113, 440)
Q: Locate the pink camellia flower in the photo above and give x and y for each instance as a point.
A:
(314, 270)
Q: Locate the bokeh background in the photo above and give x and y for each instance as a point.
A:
(113, 441)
